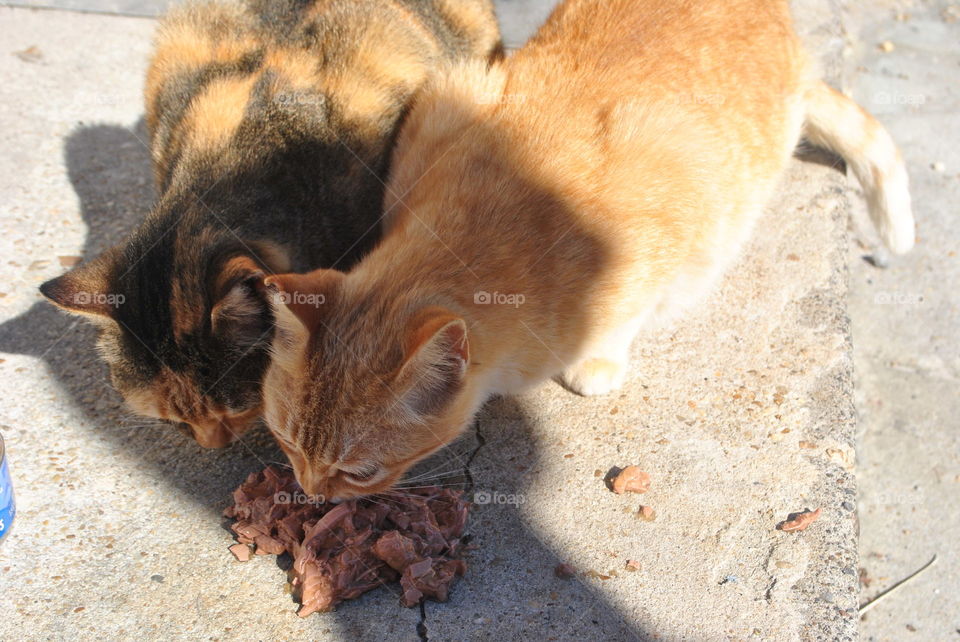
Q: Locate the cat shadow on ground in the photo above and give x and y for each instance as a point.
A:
(511, 589)
(110, 169)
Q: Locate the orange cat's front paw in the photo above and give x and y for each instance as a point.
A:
(595, 377)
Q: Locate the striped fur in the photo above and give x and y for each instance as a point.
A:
(271, 124)
(606, 173)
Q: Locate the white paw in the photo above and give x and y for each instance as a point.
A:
(595, 377)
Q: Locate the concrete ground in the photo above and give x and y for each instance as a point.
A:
(904, 65)
(742, 414)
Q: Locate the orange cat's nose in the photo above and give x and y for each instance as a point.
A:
(312, 486)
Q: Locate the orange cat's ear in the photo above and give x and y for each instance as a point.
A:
(304, 295)
(86, 289)
(437, 356)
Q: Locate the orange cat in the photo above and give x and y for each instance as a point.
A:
(543, 211)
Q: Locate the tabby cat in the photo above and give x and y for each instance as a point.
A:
(606, 173)
(271, 125)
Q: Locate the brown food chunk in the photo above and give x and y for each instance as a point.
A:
(564, 571)
(241, 552)
(631, 479)
(633, 565)
(429, 578)
(396, 550)
(800, 521)
(342, 551)
(646, 513)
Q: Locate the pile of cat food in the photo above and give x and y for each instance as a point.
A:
(341, 551)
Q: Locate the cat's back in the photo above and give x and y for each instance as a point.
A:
(661, 42)
(672, 58)
(301, 69)
(673, 91)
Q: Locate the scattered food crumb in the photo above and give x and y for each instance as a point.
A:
(631, 479)
(30, 54)
(564, 571)
(799, 522)
(568, 456)
(886, 46)
(646, 513)
(938, 166)
(633, 565)
(241, 552)
(841, 457)
(809, 445)
(68, 261)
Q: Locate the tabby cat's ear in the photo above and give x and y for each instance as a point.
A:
(304, 295)
(241, 313)
(437, 356)
(86, 289)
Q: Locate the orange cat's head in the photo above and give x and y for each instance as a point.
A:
(361, 388)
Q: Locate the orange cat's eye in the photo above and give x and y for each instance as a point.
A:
(364, 475)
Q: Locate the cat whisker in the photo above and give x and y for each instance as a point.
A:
(456, 466)
(376, 499)
(433, 478)
(438, 485)
(455, 484)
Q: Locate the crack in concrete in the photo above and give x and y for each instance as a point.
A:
(768, 595)
(481, 442)
(422, 624)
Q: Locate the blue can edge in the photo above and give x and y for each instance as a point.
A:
(8, 506)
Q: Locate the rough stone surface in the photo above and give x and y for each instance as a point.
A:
(905, 322)
(741, 413)
(110, 7)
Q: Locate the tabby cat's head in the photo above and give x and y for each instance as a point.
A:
(184, 326)
(360, 388)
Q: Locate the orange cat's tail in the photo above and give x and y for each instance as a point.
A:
(841, 125)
